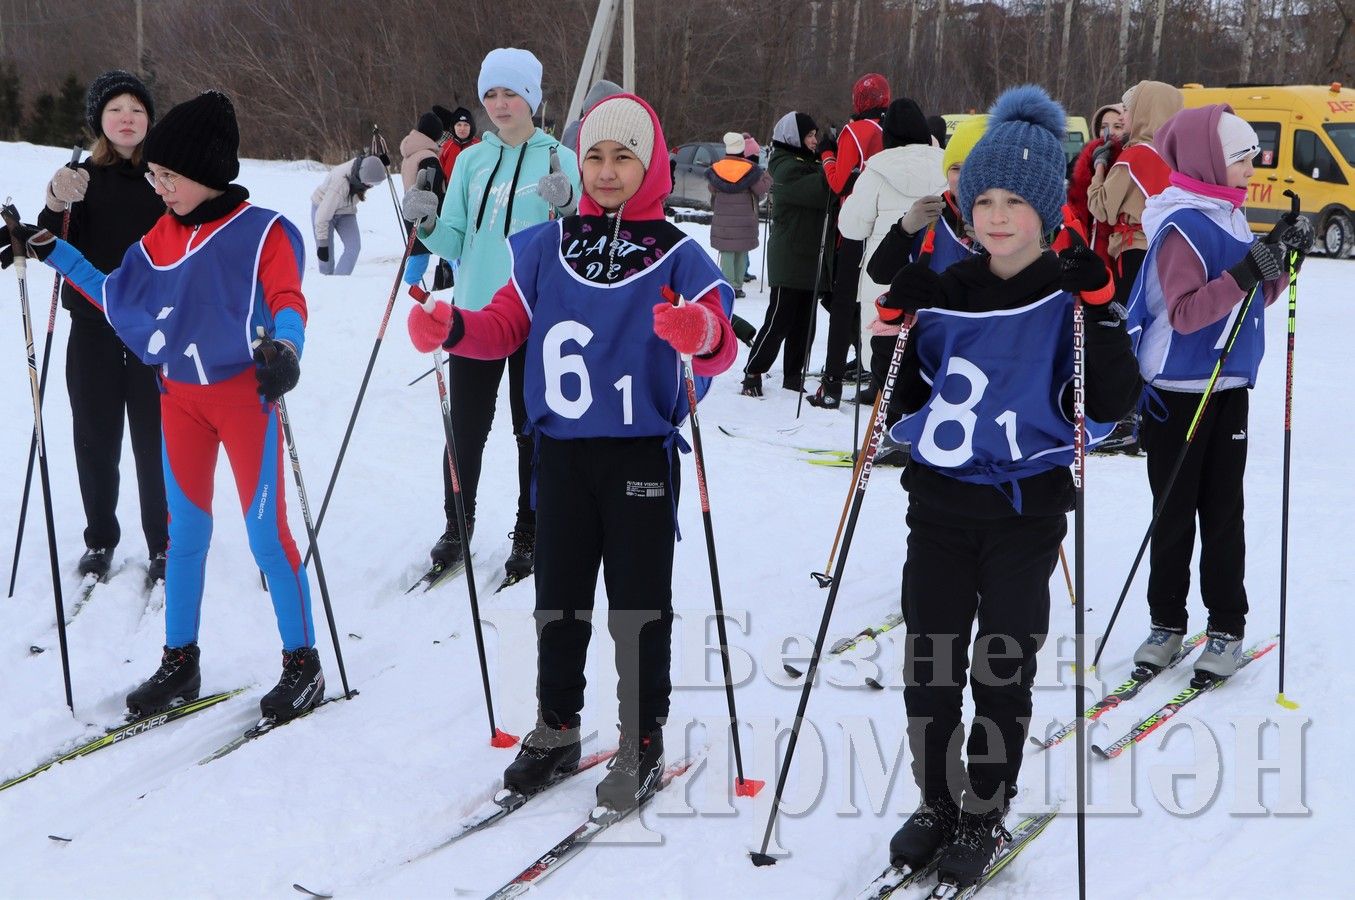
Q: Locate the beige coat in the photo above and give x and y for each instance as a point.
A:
(415, 147)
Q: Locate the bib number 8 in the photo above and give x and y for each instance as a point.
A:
(557, 364)
(943, 410)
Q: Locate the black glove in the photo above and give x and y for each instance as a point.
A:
(385, 159)
(1294, 234)
(1083, 270)
(276, 368)
(443, 276)
(827, 142)
(1105, 315)
(1263, 262)
(915, 287)
(322, 252)
(37, 242)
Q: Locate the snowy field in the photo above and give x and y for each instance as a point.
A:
(338, 800)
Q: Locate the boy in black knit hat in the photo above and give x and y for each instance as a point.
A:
(212, 296)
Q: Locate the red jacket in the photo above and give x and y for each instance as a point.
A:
(449, 152)
(1097, 234)
(859, 141)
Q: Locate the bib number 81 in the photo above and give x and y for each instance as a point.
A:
(943, 410)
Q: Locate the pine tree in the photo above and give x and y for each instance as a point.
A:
(41, 125)
(11, 107)
(70, 113)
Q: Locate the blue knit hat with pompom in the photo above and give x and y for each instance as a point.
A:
(1021, 152)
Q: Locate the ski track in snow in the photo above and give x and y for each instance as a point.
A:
(337, 800)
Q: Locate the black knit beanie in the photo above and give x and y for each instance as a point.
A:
(430, 125)
(107, 86)
(444, 116)
(905, 124)
(461, 114)
(804, 123)
(198, 139)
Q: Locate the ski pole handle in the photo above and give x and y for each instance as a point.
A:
(75, 157)
(675, 299)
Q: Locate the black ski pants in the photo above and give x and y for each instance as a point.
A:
(609, 503)
(844, 313)
(473, 390)
(996, 572)
(1208, 487)
(107, 384)
(789, 322)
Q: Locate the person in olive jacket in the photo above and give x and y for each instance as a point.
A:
(111, 206)
(800, 198)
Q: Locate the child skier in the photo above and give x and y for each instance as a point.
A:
(986, 391)
(584, 298)
(1202, 262)
(190, 298)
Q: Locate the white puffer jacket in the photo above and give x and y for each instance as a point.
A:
(891, 182)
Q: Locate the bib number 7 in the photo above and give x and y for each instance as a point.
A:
(962, 413)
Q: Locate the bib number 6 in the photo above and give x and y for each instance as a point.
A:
(557, 364)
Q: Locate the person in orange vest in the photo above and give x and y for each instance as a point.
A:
(843, 160)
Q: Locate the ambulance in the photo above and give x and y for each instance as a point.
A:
(1307, 138)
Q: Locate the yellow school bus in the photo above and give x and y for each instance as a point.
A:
(1307, 138)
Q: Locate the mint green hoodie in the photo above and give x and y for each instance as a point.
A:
(482, 250)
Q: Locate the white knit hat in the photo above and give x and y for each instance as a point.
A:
(623, 120)
(733, 143)
(1238, 138)
(517, 70)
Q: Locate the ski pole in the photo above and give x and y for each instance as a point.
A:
(497, 736)
(383, 150)
(1280, 698)
(310, 533)
(1079, 548)
(761, 857)
(1067, 576)
(42, 389)
(11, 218)
(813, 299)
(744, 787)
(823, 578)
(1176, 467)
(422, 377)
(362, 390)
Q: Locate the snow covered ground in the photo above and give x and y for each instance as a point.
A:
(336, 801)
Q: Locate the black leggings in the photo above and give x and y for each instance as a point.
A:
(473, 389)
(844, 313)
(105, 382)
(787, 328)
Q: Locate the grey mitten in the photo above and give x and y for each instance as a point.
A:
(554, 186)
(923, 212)
(421, 209)
(1101, 156)
(1262, 262)
(66, 187)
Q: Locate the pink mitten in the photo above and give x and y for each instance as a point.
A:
(428, 330)
(882, 329)
(690, 329)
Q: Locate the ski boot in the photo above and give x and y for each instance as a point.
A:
(1157, 651)
(97, 561)
(979, 838)
(1218, 661)
(893, 453)
(155, 569)
(752, 386)
(928, 829)
(829, 394)
(549, 752)
(523, 555)
(176, 682)
(299, 690)
(450, 551)
(634, 771)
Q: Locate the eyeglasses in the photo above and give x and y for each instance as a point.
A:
(167, 180)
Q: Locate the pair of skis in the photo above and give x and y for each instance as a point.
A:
(895, 879)
(507, 801)
(84, 592)
(438, 573)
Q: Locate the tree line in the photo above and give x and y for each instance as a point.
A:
(311, 77)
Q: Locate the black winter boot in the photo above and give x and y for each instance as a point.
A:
(550, 751)
(829, 395)
(176, 682)
(752, 386)
(300, 689)
(635, 771)
(155, 569)
(978, 839)
(523, 555)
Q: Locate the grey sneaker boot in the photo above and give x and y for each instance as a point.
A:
(1158, 650)
(1222, 651)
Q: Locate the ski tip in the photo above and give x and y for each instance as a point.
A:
(59, 839)
(874, 685)
(1099, 753)
(310, 893)
(748, 787)
(503, 739)
(762, 859)
(792, 671)
(35, 649)
(1284, 701)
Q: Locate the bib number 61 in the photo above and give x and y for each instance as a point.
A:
(557, 364)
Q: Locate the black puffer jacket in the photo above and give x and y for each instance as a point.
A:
(119, 207)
